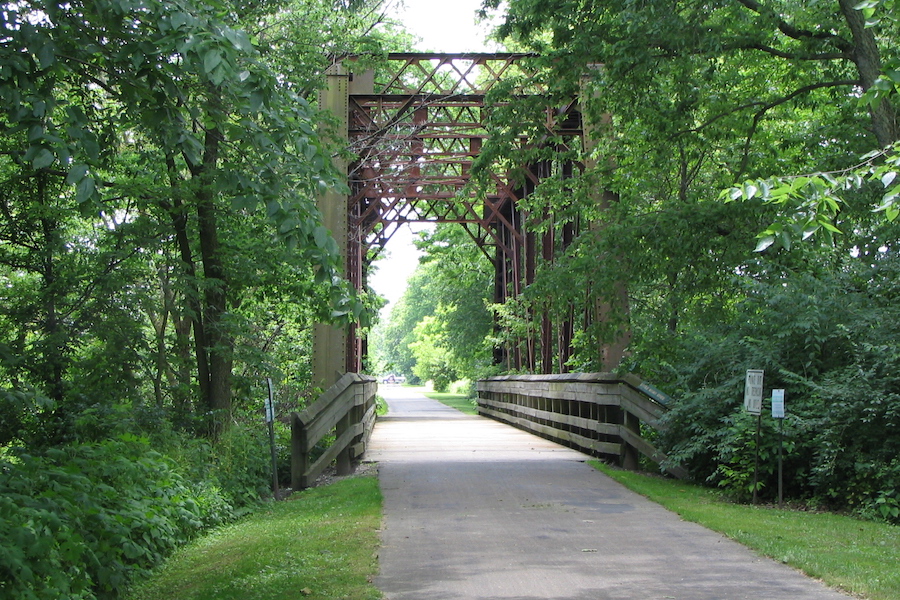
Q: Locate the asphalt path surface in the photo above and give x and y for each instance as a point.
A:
(475, 509)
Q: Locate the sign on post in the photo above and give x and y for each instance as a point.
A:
(778, 413)
(270, 402)
(270, 421)
(753, 391)
(777, 404)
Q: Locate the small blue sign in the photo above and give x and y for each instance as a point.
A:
(777, 404)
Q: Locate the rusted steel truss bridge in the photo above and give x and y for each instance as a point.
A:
(415, 129)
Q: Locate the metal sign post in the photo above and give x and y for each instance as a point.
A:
(753, 394)
(778, 413)
(270, 421)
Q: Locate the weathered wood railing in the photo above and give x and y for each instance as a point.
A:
(348, 409)
(597, 413)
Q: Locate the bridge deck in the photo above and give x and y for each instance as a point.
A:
(475, 509)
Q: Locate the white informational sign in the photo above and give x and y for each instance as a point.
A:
(777, 404)
(270, 403)
(753, 391)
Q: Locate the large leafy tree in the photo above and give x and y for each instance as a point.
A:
(738, 60)
(734, 70)
(165, 119)
(681, 101)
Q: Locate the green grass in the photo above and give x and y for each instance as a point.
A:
(460, 402)
(319, 544)
(859, 557)
(381, 407)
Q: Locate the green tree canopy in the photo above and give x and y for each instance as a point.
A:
(148, 150)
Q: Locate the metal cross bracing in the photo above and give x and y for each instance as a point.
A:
(415, 129)
(417, 134)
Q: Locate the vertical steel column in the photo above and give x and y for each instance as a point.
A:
(547, 339)
(530, 273)
(357, 248)
(329, 357)
(616, 305)
(567, 327)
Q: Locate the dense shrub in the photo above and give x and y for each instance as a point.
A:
(831, 341)
(80, 522)
(463, 387)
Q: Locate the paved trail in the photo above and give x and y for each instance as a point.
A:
(475, 509)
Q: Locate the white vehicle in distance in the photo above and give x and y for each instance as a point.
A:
(391, 378)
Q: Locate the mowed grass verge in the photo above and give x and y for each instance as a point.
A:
(319, 544)
(859, 557)
(460, 402)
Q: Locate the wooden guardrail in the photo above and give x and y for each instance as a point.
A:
(597, 413)
(348, 409)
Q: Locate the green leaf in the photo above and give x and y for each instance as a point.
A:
(76, 173)
(85, 190)
(244, 202)
(211, 60)
(43, 159)
(827, 224)
(765, 243)
(256, 101)
(321, 236)
(46, 55)
(35, 133)
(179, 19)
(888, 178)
(287, 225)
(786, 240)
(238, 39)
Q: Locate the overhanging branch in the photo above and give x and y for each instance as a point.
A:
(795, 32)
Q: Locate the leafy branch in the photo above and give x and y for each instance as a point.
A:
(793, 31)
(816, 198)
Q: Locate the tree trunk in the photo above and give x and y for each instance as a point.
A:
(219, 343)
(54, 346)
(867, 58)
(160, 322)
(192, 289)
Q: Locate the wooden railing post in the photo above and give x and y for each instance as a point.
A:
(630, 454)
(344, 466)
(357, 413)
(299, 454)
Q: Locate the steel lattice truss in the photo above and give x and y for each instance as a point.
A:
(416, 135)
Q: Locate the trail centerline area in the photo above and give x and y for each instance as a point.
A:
(475, 509)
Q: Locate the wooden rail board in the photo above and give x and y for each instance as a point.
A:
(551, 405)
(340, 444)
(553, 433)
(348, 409)
(533, 413)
